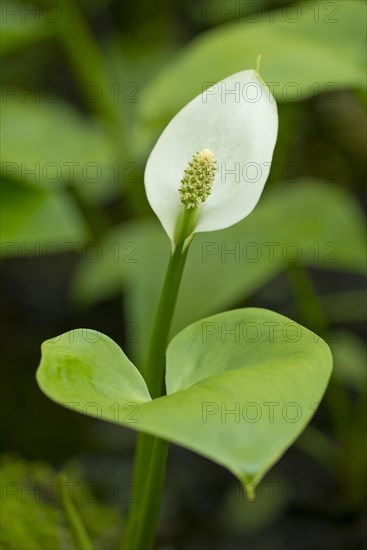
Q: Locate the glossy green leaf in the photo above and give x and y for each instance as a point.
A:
(307, 49)
(83, 363)
(50, 144)
(33, 216)
(242, 385)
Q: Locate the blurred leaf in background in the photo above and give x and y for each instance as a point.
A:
(308, 48)
(49, 145)
(19, 31)
(39, 217)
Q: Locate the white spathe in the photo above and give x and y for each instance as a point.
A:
(237, 119)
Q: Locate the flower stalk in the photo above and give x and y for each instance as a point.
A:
(151, 452)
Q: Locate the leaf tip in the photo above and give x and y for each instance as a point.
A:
(250, 490)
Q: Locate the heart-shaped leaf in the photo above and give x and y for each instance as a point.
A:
(242, 385)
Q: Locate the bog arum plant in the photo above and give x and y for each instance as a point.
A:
(236, 121)
(197, 179)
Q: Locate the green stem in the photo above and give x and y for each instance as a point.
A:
(145, 527)
(155, 368)
(98, 223)
(151, 453)
(86, 60)
(78, 532)
(316, 444)
(309, 306)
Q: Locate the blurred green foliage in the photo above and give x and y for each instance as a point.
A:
(303, 56)
(31, 493)
(38, 216)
